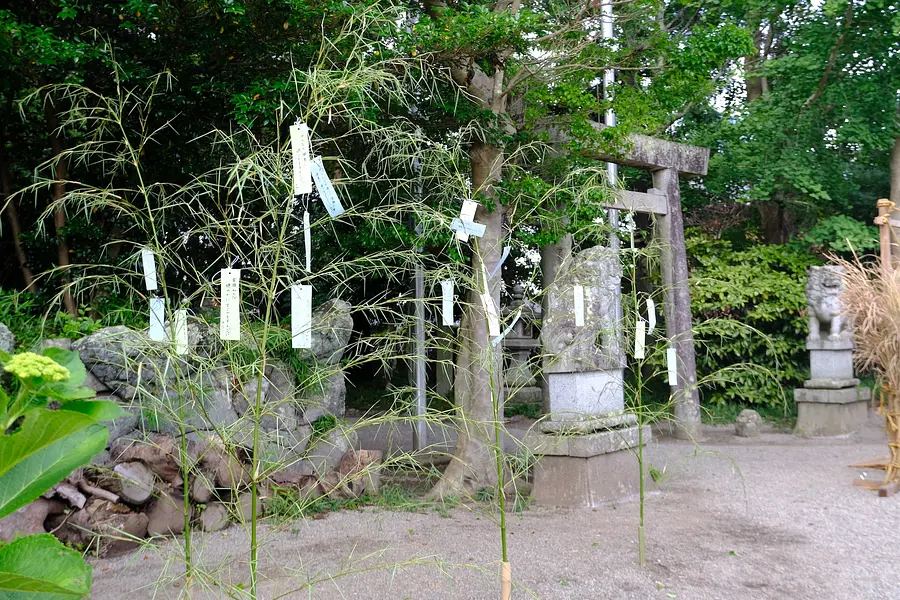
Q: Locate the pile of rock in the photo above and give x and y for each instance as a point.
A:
(136, 487)
(142, 493)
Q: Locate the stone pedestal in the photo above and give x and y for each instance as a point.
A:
(577, 396)
(584, 447)
(823, 412)
(831, 402)
(586, 470)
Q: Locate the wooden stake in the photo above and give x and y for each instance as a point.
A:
(505, 581)
(884, 231)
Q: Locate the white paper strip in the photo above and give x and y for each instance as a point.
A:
(301, 316)
(467, 212)
(300, 151)
(502, 259)
(490, 311)
(307, 240)
(326, 190)
(149, 260)
(579, 305)
(651, 315)
(509, 328)
(447, 302)
(230, 310)
(639, 339)
(179, 324)
(464, 229)
(157, 319)
(466, 215)
(672, 364)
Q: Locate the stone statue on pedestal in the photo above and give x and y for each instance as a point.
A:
(831, 401)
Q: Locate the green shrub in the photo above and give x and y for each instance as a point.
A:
(842, 234)
(749, 309)
(26, 317)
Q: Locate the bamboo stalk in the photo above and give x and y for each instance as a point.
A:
(505, 581)
(884, 231)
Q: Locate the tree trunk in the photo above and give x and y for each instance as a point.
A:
(771, 216)
(478, 383)
(57, 145)
(15, 226)
(753, 84)
(552, 257)
(10, 209)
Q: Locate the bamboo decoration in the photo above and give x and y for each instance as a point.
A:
(884, 232)
(889, 402)
(505, 581)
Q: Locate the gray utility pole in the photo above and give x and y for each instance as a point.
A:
(612, 169)
(420, 429)
(609, 79)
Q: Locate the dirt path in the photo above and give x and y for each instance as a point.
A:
(773, 518)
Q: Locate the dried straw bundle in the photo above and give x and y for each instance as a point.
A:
(871, 300)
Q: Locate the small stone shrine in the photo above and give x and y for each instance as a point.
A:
(584, 445)
(831, 401)
(522, 385)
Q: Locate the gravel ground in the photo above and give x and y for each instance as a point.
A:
(770, 518)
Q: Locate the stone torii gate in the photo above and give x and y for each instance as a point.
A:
(667, 161)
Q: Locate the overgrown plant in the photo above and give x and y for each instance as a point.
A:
(40, 446)
(243, 212)
(871, 298)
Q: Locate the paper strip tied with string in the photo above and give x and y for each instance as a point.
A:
(149, 262)
(300, 155)
(307, 241)
(157, 319)
(326, 189)
(230, 310)
(179, 324)
(672, 365)
(640, 332)
(464, 225)
(447, 303)
(578, 306)
(301, 316)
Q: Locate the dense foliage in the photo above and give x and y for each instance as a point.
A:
(797, 101)
(750, 308)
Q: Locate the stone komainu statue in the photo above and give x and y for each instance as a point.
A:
(824, 286)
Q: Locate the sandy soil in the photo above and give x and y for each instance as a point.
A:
(771, 518)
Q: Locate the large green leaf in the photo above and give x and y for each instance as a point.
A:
(39, 567)
(71, 361)
(48, 446)
(99, 410)
(72, 388)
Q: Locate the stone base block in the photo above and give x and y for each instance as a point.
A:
(823, 412)
(831, 364)
(575, 482)
(832, 396)
(525, 395)
(585, 471)
(573, 396)
(591, 425)
(585, 446)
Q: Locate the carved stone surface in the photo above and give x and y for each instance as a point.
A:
(824, 287)
(595, 346)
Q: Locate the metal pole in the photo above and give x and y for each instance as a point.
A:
(609, 79)
(420, 431)
(612, 169)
